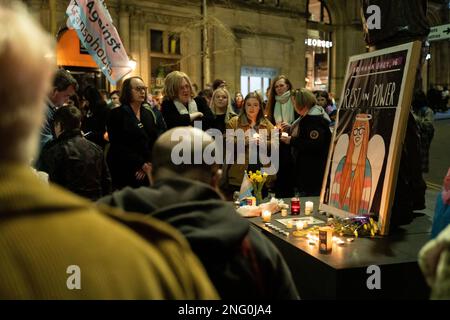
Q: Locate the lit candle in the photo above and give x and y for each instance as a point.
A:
(309, 205)
(340, 242)
(255, 135)
(284, 134)
(300, 225)
(266, 215)
(284, 212)
(289, 225)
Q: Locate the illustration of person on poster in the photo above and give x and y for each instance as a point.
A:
(355, 176)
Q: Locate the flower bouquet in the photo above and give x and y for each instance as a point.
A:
(257, 180)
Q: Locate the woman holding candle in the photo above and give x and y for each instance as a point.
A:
(309, 140)
(281, 112)
(256, 127)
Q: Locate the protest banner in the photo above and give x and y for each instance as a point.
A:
(95, 29)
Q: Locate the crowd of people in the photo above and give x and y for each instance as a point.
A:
(154, 229)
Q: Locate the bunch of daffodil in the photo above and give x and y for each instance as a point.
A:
(257, 179)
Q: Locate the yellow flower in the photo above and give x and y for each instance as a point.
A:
(365, 227)
(355, 233)
(258, 172)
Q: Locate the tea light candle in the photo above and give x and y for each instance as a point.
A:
(284, 134)
(309, 206)
(266, 215)
(289, 225)
(340, 242)
(255, 135)
(300, 225)
(284, 212)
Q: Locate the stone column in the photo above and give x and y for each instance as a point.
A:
(35, 9)
(144, 59)
(135, 34)
(124, 25)
(52, 12)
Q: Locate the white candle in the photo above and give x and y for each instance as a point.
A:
(300, 225)
(266, 215)
(309, 206)
(284, 134)
(255, 135)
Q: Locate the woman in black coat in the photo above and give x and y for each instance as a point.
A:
(132, 132)
(309, 138)
(179, 108)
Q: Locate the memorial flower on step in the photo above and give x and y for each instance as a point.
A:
(357, 226)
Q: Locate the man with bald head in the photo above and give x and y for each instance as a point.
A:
(241, 262)
(54, 244)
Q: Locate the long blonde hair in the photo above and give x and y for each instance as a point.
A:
(356, 184)
(229, 111)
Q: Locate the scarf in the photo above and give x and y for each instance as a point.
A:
(192, 107)
(284, 110)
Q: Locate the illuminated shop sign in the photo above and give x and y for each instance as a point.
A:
(318, 43)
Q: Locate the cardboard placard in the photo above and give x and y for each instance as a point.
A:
(364, 156)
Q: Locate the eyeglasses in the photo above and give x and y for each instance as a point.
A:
(358, 131)
(139, 89)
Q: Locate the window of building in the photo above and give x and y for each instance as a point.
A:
(156, 37)
(318, 46)
(318, 11)
(165, 55)
(256, 79)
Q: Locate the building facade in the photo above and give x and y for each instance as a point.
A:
(244, 42)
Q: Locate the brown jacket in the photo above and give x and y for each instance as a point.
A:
(234, 173)
(45, 230)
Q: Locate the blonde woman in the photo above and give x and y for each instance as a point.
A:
(221, 108)
(309, 138)
(179, 108)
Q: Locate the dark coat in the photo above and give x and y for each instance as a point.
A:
(216, 234)
(310, 151)
(131, 143)
(174, 119)
(76, 164)
(94, 124)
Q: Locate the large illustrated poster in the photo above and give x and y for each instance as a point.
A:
(371, 123)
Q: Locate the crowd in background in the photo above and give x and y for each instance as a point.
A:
(179, 239)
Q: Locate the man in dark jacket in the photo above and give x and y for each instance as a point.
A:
(241, 262)
(72, 161)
